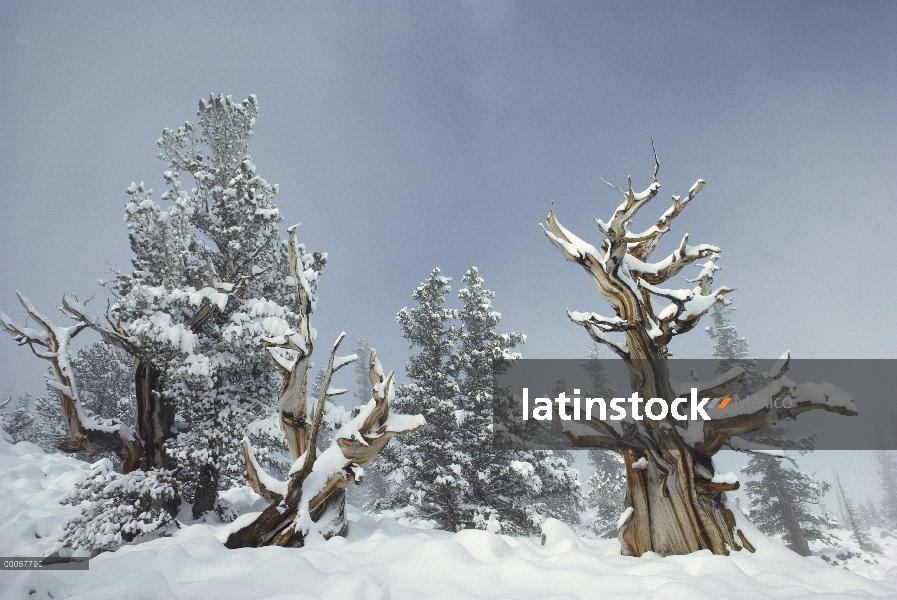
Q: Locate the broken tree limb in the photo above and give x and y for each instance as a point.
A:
(313, 497)
(86, 435)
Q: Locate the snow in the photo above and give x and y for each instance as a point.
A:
(381, 559)
(641, 463)
(729, 478)
(625, 516)
(399, 423)
(341, 361)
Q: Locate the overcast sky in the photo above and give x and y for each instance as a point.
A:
(411, 136)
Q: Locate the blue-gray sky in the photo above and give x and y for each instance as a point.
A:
(407, 136)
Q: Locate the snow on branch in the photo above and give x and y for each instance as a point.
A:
(597, 326)
(781, 399)
(307, 500)
(86, 435)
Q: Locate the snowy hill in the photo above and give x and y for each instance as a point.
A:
(382, 559)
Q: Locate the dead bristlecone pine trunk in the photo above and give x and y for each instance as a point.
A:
(312, 499)
(674, 503)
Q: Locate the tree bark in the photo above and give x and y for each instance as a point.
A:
(154, 416)
(294, 507)
(206, 490)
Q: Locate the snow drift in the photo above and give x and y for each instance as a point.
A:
(381, 559)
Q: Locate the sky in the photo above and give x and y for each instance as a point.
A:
(409, 136)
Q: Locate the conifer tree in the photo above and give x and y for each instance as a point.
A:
(852, 520)
(782, 501)
(450, 471)
(18, 421)
(428, 472)
(887, 470)
(510, 491)
(105, 377)
(607, 485)
(607, 488)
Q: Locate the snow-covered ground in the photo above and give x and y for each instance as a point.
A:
(384, 559)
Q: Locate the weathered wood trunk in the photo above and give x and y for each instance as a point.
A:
(676, 507)
(154, 416)
(295, 505)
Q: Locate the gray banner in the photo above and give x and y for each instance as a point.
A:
(813, 397)
(44, 563)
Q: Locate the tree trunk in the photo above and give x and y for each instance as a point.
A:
(294, 508)
(206, 490)
(670, 516)
(155, 416)
(677, 509)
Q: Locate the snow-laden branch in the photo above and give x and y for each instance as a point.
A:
(300, 504)
(598, 326)
(86, 435)
(781, 399)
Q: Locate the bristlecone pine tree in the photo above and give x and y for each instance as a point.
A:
(678, 507)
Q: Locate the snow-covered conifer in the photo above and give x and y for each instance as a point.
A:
(426, 474)
(18, 420)
(607, 489)
(852, 521)
(105, 377)
(514, 491)
(49, 428)
(209, 279)
(118, 507)
(782, 500)
(450, 472)
(887, 470)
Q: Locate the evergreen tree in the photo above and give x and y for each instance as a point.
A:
(870, 514)
(39, 423)
(782, 501)
(450, 471)
(509, 491)
(49, 428)
(607, 490)
(18, 421)
(887, 470)
(105, 378)
(607, 485)
(427, 473)
(731, 350)
(209, 280)
(852, 520)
